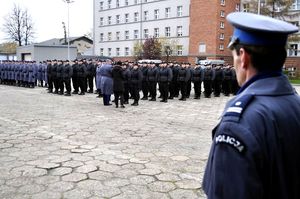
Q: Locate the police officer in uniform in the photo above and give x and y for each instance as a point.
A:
(164, 77)
(197, 78)
(75, 77)
(67, 74)
(81, 74)
(59, 77)
(256, 146)
(90, 73)
(152, 76)
(209, 76)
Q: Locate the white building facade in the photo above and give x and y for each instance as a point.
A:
(119, 24)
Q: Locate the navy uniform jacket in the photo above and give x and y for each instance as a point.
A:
(256, 146)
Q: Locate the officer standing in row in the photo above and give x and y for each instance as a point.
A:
(67, 74)
(164, 78)
(256, 146)
(152, 76)
(135, 81)
(90, 74)
(209, 77)
(197, 78)
(81, 77)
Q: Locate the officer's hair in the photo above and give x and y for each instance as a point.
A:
(264, 58)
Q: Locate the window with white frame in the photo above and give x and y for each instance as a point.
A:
(101, 51)
(293, 50)
(179, 31)
(222, 2)
(109, 4)
(221, 47)
(246, 7)
(179, 49)
(117, 3)
(221, 36)
(222, 13)
(117, 51)
(101, 36)
(101, 5)
(202, 48)
(146, 33)
(126, 3)
(136, 34)
(109, 20)
(126, 18)
(126, 34)
(156, 14)
(146, 15)
(135, 2)
(156, 32)
(136, 16)
(179, 11)
(109, 36)
(118, 19)
(118, 35)
(168, 12)
(168, 31)
(222, 24)
(109, 51)
(126, 51)
(101, 21)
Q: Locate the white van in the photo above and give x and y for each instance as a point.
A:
(211, 62)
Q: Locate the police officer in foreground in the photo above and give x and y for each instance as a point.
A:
(256, 146)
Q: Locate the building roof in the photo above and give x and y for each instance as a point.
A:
(61, 41)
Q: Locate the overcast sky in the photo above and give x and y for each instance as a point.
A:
(48, 16)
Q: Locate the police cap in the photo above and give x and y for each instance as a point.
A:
(253, 29)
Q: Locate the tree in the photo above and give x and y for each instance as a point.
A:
(152, 49)
(19, 26)
(8, 47)
(137, 50)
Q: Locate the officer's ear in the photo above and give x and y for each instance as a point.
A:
(245, 58)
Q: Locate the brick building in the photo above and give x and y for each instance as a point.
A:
(191, 29)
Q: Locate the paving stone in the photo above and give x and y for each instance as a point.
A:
(45, 180)
(17, 182)
(188, 184)
(183, 194)
(161, 186)
(117, 182)
(180, 158)
(90, 185)
(107, 192)
(142, 179)
(108, 167)
(74, 177)
(125, 173)
(61, 171)
(72, 164)
(31, 189)
(77, 194)
(47, 195)
(48, 165)
(168, 177)
(119, 162)
(150, 171)
(86, 169)
(61, 186)
(100, 175)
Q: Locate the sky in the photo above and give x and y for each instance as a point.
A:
(48, 15)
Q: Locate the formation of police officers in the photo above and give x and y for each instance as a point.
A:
(174, 79)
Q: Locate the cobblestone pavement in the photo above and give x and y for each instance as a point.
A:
(73, 147)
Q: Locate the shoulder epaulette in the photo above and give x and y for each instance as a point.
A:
(238, 106)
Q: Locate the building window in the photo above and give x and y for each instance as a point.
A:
(101, 36)
(246, 7)
(179, 31)
(109, 4)
(293, 50)
(221, 36)
(167, 12)
(135, 2)
(101, 21)
(126, 18)
(179, 50)
(117, 3)
(222, 13)
(168, 32)
(156, 14)
(221, 46)
(117, 51)
(109, 20)
(156, 32)
(223, 2)
(117, 19)
(222, 25)
(136, 34)
(179, 11)
(101, 5)
(126, 51)
(146, 33)
(101, 52)
(145, 15)
(126, 34)
(145, 1)
(202, 48)
(109, 36)
(109, 51)
(126, 3)
(117, 35)
(136, 16)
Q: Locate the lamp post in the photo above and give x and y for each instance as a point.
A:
(68, 2)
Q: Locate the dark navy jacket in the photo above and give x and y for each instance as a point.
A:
(255, 152)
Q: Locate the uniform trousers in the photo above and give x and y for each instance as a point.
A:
(152, 89)
(164, 89)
